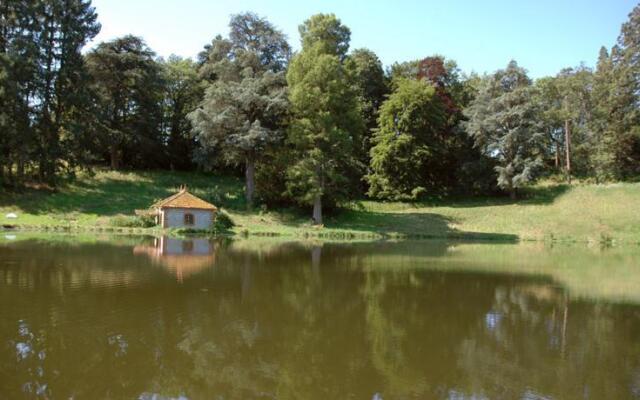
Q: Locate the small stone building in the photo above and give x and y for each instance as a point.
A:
(184, 210)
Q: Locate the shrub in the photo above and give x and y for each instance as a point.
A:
(131, 221)
(223, 222)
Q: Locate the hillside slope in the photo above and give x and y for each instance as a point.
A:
(595, 213)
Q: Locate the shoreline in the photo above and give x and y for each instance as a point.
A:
(548, 212)
(301, 234)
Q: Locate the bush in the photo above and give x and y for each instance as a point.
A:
(147, 221)
(223, 222)
(130, 221)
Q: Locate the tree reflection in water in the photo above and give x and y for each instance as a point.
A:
(257, 320)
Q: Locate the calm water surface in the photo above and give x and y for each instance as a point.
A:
(171, 319)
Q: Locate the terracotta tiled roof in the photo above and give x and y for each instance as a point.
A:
(184, 199)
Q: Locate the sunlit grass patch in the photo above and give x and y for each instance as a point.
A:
(548, 211)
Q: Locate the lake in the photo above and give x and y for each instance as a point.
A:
(161, 318)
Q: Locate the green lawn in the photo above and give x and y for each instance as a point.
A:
(595, 213)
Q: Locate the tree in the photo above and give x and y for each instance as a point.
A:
(443, 76)
(408, 144)
(617, 95)
(459, 163)
(504, 122)
(604, 121)
(371, 84)
(244, 107)
(404, 70)
(127, 82)
(627, 89)
(475, 170)
(566, 111)
(256, 35)
(326, 121)
(461, 167)
(10, 99)
(327, 34)
(43, 81)
(183, 90)
(550, 101)
(576, 86)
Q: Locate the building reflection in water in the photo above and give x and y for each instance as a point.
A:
(183, 257)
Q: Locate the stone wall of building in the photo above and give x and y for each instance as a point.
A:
(174, 218)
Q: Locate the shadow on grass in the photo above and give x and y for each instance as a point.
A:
(422, 225)
(122, 193)
(528, 196)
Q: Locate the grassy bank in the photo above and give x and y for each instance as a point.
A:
(594, 213)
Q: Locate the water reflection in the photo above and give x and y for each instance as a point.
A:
(314, 321)
(30, 355)
(183, 257)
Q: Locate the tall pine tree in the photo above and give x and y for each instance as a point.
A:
(603, 123)
(624, 99)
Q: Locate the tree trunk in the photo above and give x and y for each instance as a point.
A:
(20, 171)
(317, 210)
(557, 161)
(115, 162)
(250, 174)
(513, 193)
(42, 169)
(10, 178)
(567, 143)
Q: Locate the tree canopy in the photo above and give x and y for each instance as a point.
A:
(327, 120)
(127, 82)
(408, 143)
(242, 110)
(504, 123)
(43, 97)
(319, 127)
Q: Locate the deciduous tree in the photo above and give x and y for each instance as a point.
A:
(371, 83)
(408, 144)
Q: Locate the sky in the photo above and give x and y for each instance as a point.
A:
(544, 36)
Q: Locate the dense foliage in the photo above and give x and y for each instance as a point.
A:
(126, 81)
(44, 104)
(326, 122)
(505, 124)
(408, 145)
(319, 127)
(243, 107)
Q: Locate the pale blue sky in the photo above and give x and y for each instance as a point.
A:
(483, 35)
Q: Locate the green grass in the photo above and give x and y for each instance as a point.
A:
(550, 212)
